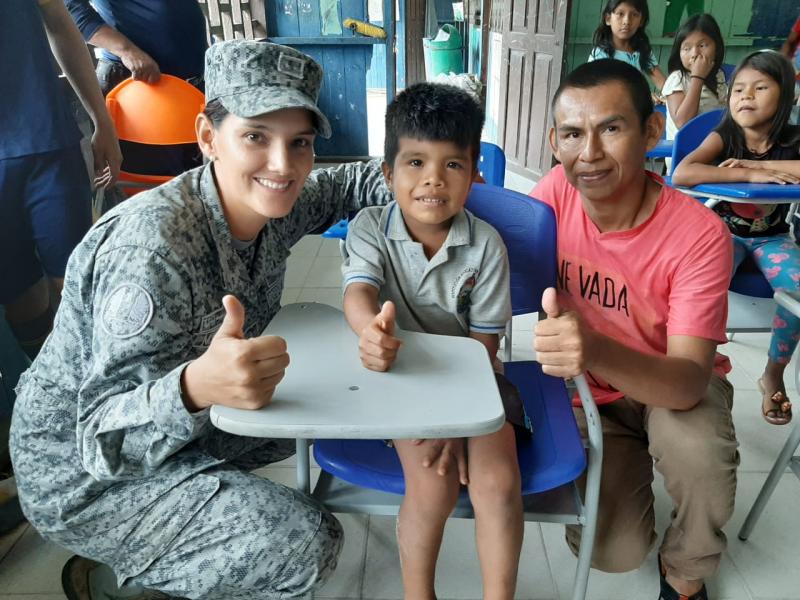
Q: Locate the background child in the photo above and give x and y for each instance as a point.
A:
(696, 82)
(439, 270)
(755, 143)
(621, 35)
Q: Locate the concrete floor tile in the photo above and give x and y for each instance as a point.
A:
(33, 566)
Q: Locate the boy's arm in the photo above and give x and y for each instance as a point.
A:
(490, 340)
(73, 57)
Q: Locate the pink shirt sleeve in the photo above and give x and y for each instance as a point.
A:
(698, 301)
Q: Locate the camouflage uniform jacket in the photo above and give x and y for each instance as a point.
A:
(100, 430)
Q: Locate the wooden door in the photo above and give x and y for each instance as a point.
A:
(533, 40)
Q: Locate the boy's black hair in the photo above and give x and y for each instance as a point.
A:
(778, 68)
(604, 39)
(434, 112)
(706, 24)
(608, 70)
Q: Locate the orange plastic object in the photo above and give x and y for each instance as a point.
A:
(158, 113)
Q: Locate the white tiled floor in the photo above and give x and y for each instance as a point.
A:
(765, 567)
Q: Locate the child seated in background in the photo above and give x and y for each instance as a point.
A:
(754, 143)
(696, 82)
(438, 269)
(621, 35)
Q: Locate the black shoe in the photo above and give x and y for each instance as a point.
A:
(670, 593)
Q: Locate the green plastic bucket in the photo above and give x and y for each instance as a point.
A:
(443, 55)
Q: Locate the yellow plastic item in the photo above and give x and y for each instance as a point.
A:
(365, 28)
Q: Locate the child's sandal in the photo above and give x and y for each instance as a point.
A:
(776, 409)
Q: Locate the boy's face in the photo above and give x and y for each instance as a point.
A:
(598, 137)
(430, 181)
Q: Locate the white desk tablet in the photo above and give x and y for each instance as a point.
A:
(440, 386)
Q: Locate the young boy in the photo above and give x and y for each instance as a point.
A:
(437, 269)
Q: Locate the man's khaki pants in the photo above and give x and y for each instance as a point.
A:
(696, 452)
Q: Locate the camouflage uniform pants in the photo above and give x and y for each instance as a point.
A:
(252, 539)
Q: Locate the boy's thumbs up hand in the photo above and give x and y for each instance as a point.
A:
(377, 345)
(562, 341)
(235, 371)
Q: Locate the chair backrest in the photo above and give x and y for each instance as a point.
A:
(528, 229)
(727, 70)
(492, 164)
(155, 126)
(692, 134)
(662, 108)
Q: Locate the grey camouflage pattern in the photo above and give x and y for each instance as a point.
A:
(108, 461)
(251, 78)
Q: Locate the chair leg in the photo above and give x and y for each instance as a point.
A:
(778, 468)
(592, 495)
(303, 466)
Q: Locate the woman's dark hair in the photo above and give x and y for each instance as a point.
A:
(215, 112)
(604, 39)
(434, 112)
(707, 25)
(778, 68)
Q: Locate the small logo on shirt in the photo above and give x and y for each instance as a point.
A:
(462, 289)
(127, 311)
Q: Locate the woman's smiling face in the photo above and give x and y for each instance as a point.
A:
(260, 164)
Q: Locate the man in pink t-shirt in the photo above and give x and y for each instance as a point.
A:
(640, 307)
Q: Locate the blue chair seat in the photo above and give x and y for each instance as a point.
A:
(663, 149)
(750, 281)
(552, 456)
(337, 231)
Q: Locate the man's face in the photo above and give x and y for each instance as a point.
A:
(598, 137)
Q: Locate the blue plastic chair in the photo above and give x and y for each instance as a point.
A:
(663, 149)
(692, 134)
(749, 299)
(491, 166)
(727, 70)
(366, 476)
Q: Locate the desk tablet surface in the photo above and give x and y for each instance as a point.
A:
(440, 386)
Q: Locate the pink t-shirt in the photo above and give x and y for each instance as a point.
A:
(668, 276)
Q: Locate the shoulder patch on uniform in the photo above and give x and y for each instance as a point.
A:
(127, 311)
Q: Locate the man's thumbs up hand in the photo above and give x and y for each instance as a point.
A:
(562, 340)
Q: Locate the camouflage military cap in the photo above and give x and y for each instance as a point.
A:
(251, 78)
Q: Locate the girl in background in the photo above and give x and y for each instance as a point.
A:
(621, 35)
(755, 143)
(696, 82)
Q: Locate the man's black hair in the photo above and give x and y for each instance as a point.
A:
(434, 112)
(609, 70)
